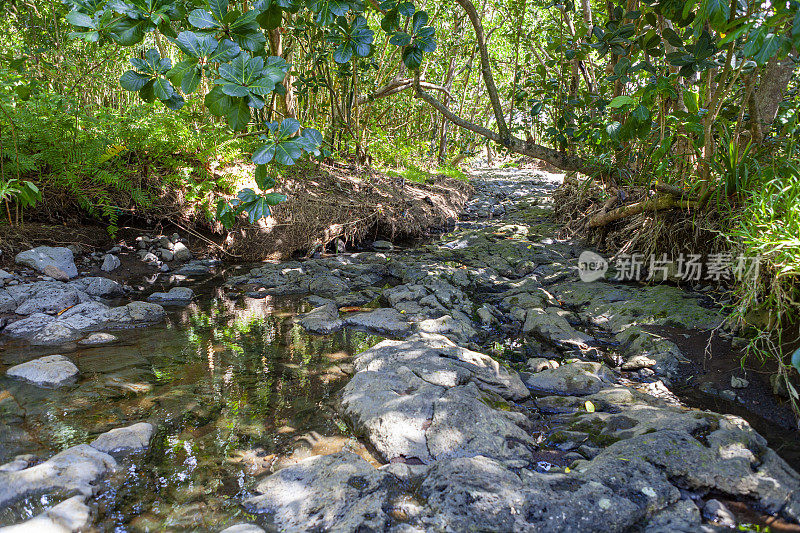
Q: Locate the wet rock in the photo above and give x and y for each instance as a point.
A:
(98, 339)
(243, 528)
(74, 469)
(641, 349)
(322, 320)
(537, 364)
(68, 516)
(110, 263)
(337, 492)
(175, 296)
(573, 379)
(129, 439)
(739, 383)
(180, 252)
(716, 512)
(384, 321)
(52, 371)
(40, 257)
(84, 317)
(100, 286)
(136, 313)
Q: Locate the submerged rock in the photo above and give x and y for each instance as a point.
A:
(75, 469)
(40, 257)
(52, 371)
(68, 516)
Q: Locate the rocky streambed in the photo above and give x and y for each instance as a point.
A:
(473, 383)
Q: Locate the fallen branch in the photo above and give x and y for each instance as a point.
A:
(658, 203)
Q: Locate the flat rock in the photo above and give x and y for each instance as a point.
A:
(75, 469)
(243, 528)
(133, 438)
(337, 492)
(549, 325)
(322, 320)
(40, 257)
(573, 379)
(175, 296)
(51, 371)
(98, 339)
(28, 327)
(328, 286)
(55, 273)
(384, 321)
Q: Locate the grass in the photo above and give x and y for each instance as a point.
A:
(419, 175)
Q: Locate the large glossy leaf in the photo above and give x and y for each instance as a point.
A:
(218, 103)
(287, 152)
(200, 18)
(239, 116)
(219, 8)
(196, 45)
(412, 57)
(265, 153)
(288, 128)
(263, 179)
(128, 32)
(162, 89)
(81, 20)
(133, 81)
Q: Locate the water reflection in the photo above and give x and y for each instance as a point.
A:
(235, 388)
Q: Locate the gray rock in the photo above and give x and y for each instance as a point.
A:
(110, 263)
(52, 371)
(55, 334)
(5, 275)
(739, 383)
(180, 252)
(573, 379)
(74, 469)
(451, 327)
(129, 439)
(393, 396)
(135, 313)
(682, 516)
(328, 286)
(322, 320)
(49, 299)
(28, 327)
(175, 296)
(337, 492)
(550, 326)
(166, 255)
(98, 339)
(41, 256)
(382, 246)
(7, 302)
(71, 515)
(384, 321)
(102, 287)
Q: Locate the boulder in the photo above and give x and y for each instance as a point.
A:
(69, 516)
(180, 252)
(40, 257)
(98, 339)
(28, 327)
(328, 286)
(55, 273)
(337, 492)
(52, 371)
(129, 439)
(384, 321)
(322, 320)
(175, 296)
(573, 379)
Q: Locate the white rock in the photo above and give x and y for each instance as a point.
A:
(123, 440)
(52, 371)
(181, 252)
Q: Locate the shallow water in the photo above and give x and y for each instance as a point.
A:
(234, 388)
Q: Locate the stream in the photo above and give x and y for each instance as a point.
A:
(251, 378)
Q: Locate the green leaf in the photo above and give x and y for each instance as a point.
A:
(613, 130)
(264, 154)
(190, 81)
(419, 20)
(287, 152)
(288, 128)
(163, 89)
(769, 48)
(82, 20)
(224, 52)
(225, 214)
(691, 100)
(146, 92)
(412, 57)
(129, 32)
(672, 37)
(406, 9)
(133, 81)
(274, 198)
(716, 12)
(400, 39)
(219, 8)
(234, 89)
(343, 53)
(199, 18)
(796, 359)
(218, 103)
(620, 101)
(239, 116)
